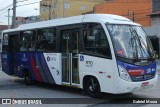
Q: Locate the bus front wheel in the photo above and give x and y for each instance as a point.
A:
(93, 87)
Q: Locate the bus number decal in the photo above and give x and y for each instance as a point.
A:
(89, 64)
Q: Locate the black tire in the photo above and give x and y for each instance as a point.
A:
(92, 87)
(27, 78)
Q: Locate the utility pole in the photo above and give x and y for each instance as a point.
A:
(63, 9)
(51, 7)
(49, 11)
(56, 8)
(14, 14)
(8, 18)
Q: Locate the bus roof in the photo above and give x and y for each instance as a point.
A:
(110, 18)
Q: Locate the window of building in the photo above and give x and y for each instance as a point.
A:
(95, 40)
(83, 7)
(46, 40)
(66, 5)
(27, 41)
(42, 9)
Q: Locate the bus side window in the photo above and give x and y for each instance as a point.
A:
(46, 40)
(95, 40)
(23, 47)
(27, 41)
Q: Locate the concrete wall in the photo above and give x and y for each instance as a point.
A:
(153, 30)
(155, 5)
(141, 9)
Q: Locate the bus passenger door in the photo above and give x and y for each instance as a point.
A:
(13, 49)
(70, 50)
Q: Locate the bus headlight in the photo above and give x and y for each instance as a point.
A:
(124, 74)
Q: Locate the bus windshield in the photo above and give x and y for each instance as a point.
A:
(130, 41)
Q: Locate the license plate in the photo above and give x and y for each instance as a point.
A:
(145, 84)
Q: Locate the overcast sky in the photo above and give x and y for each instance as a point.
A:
(24, 11)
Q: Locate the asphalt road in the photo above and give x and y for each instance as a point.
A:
(12, 87)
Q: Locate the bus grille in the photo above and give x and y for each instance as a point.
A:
(142, 77)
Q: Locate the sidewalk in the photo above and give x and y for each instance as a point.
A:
(158, 66)
(6, 80)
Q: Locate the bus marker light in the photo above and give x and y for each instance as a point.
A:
(135, 72)
(108, 76)
(100, 72)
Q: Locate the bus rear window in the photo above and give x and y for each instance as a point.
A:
(5, 42)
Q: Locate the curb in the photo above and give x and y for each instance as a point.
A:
(158, 68)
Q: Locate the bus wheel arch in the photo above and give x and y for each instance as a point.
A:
(91, 86)
(27, 76)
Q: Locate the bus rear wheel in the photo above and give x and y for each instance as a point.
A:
(92, 87)
(27, 78)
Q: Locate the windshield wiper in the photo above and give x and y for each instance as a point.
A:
(146, 47)
(133, 42)
(140, 42)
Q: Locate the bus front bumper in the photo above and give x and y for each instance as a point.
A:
(128, 87)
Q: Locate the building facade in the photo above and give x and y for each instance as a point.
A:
(2, 27)
(155, 5)
(136, 10)
(154, 29)
(50, 9)
(25, 20)
(155, 15)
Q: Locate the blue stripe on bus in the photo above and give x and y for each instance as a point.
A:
(40, 69)
(46, 69)
(149, 71)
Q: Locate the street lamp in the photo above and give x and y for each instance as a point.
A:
(9, 18)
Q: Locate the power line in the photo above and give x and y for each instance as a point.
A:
(6, 7)
(4, 12)
(28, 4)
(14, 11)
(22, 1)
(17, 6)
